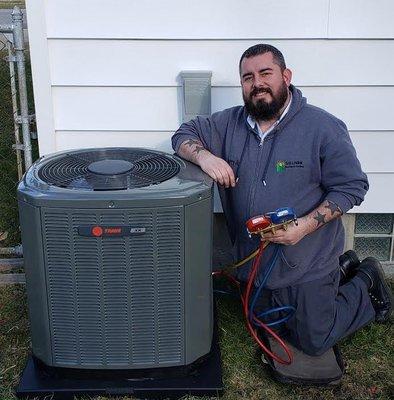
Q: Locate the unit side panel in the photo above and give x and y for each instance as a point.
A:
(34, 266)
(198, 279)
(170, 284)
(62, 300)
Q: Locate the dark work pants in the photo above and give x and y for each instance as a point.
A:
(325, 311)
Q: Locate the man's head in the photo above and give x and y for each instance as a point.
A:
(264, 80)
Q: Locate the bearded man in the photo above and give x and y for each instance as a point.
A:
(279, 151)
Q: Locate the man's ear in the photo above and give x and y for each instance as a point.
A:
(287, 74)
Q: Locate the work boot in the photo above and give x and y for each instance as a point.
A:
(348, 263)
(371, 272)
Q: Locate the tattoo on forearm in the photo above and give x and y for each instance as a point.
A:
(190, 150)
(326, 212)
(320, 218)
(198, 149)
(333, 207)
(192, 142)
(323, 214)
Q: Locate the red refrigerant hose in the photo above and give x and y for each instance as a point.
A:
(245, 304)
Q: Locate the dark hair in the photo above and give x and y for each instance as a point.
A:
(262, 48)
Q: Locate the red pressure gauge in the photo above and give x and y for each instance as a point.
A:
(258, 223)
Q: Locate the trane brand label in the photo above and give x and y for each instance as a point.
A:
(110, 230)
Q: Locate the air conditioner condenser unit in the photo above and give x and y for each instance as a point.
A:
(117, 248)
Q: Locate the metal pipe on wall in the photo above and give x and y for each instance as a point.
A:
(16, 54)
(17, 18)
(15, 111)
(6, 28)
(17, 250)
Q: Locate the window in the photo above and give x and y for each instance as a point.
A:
(373, 236)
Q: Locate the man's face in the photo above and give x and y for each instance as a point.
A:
(264, 86)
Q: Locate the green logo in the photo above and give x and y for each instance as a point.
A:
(280, 166)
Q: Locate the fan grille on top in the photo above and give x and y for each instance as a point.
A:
(109, 169)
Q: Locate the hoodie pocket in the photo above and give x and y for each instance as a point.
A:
(287, 259)
(289, 266)
(300, 255)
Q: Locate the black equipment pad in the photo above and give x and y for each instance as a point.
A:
(202, 378)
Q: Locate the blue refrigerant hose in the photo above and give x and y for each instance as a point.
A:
(290, 309)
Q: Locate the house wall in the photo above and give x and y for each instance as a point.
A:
(107, 73)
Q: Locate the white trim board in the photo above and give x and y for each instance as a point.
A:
(41, 74)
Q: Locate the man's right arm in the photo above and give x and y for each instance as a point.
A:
(193, 149)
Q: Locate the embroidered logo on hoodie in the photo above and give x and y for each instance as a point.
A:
(282, 165)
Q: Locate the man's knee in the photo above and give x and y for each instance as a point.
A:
(316, 346)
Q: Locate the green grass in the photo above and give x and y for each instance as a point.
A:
(369, 355)
(11, 4)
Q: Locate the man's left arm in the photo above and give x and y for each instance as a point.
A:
(307, 224)
(344, 183)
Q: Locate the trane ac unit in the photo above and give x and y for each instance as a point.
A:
(117, 247)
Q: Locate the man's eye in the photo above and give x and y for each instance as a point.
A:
(247, 78)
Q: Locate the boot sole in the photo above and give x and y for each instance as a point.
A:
(386, 287)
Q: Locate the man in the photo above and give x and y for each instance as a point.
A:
(278, 151)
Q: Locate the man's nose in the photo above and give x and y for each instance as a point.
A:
(258, 82)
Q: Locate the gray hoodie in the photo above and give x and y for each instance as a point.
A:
(306, 159)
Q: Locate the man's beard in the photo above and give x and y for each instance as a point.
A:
(263, 111)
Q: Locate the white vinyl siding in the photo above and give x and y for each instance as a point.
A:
(158, 62)
(186, 19)
(361, 19)
(107, 73)
(85, 139)
(152, 108)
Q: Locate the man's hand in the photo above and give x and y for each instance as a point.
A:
(194, 151)
(291, 236)
(216, 168)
